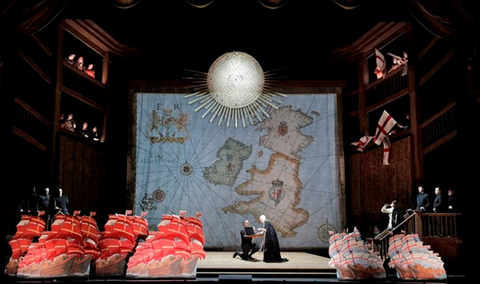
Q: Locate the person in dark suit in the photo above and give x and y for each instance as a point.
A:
(61, 202)
(33, 201)
(271, 246)
(438, 202)
(94, 134)
(46, 204)
(439, 207)
(422, 201)
(452, 202)
(46, 200)
(248, 246)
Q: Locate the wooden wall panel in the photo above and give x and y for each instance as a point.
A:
(352, 191)
(81, 173)
(370, 184)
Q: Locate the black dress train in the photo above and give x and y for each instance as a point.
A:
(271, 248)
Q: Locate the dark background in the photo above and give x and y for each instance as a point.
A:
(174, 35)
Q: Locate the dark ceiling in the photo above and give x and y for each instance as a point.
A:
(175, 35)
(297, 35)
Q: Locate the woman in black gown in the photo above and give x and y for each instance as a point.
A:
(271, 247)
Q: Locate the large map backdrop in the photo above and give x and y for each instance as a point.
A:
(285, 167)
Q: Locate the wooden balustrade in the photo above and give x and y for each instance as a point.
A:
(437, 224)
(432, 228)
(381, 89)
(439, 126)
(83, 87)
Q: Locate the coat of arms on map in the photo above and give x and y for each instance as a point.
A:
(276, 192)
(167, 127)
(283, 128)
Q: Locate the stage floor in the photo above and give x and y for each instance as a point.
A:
(298, 261)
(301, 267)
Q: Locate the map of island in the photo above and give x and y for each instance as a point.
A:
(278, 186)
(229, 164)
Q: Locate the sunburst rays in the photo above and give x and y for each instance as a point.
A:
(235, 90)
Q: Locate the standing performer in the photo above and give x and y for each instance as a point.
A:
(61, 202)
(271, 247)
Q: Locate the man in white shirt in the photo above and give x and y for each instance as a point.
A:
(395, 215)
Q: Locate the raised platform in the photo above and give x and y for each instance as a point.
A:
(300, 263)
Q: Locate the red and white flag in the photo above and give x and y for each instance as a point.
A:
(381, 64)
(183, 212)
(384, 125)
(386, 150)
(380, 60)
(362, 143)
(128, 212)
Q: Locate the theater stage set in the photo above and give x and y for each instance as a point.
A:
(212, 266)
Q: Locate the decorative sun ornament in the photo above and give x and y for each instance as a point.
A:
(235, 90)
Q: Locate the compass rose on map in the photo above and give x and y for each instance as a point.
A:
(324, 231)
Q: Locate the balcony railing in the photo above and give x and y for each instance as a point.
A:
(439, 126)
(383, 88)
(83, 84)
(31, 125)
(426, 226)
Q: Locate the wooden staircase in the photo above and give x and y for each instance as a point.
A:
(441, 231)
